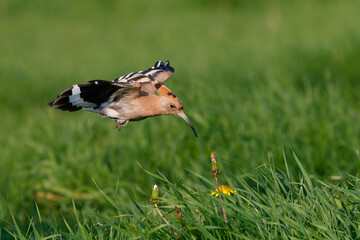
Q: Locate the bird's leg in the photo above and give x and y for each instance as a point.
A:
(118, 125)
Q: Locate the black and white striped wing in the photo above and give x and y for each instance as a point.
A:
(98, 93)
(92, 96)
(159, 72)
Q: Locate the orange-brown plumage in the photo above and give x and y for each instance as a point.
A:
(131, 97)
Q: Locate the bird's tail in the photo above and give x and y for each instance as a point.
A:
(85, 96)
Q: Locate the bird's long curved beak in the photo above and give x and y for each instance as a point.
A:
(183, 116)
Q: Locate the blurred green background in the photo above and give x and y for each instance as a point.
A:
(255, 78)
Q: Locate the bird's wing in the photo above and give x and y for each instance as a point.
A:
(128, 92)
(159, 72)
(148, 88)
(94, 95)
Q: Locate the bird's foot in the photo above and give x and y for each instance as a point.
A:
(120, 123)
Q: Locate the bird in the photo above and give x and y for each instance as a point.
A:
(132, 97)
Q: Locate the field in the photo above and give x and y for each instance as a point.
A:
(272, 86)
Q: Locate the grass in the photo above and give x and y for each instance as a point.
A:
(269, 204)
(255, 79)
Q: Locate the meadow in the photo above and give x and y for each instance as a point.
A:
(271, 86)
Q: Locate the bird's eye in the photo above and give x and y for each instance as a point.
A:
(172, 106)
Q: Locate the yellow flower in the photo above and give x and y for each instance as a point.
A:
(224, 189)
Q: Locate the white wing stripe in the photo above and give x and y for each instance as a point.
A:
(75, 90)
(77, 102)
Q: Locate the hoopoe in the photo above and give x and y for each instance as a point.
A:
(132, 97)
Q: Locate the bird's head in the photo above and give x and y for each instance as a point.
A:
(171, 104)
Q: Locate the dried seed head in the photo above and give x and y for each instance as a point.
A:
(214, 169)
(178, 213)
(213, 156)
